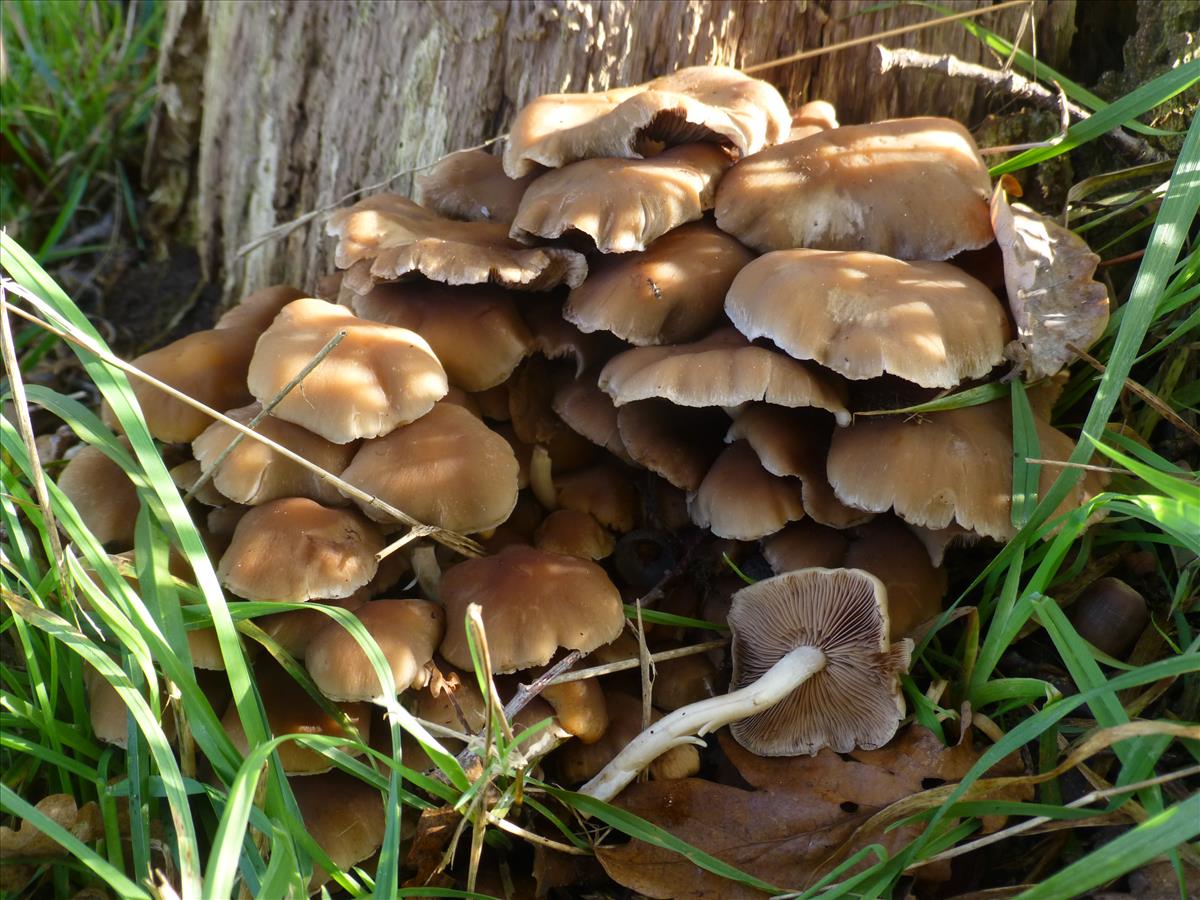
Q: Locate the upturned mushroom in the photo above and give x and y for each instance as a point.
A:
(812, 668)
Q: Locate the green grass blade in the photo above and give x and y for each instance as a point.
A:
(1025, 447)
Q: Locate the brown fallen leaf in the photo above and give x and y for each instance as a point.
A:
(435, 830)
(83, 822)
(1048, 275)
(793, 827)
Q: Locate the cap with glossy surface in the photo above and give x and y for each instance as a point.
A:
(623, 204)
(701, 103)
(865, 315)
(256, 311)
(532, 603)
(296, 549)
(723, 369)
(672, 292)
(447, 469)
(908, 188)
(377, 378)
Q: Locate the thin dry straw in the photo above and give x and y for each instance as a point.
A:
(286, 228)
(263, 413)
(457, 542)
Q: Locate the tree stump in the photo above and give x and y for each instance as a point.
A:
(270, 110)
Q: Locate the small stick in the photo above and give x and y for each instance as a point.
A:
(456, 542)
(1108, 470)
(634, 662)
(1010, 82)
(527, 692)
(904, 29)
(1145, 393)
(205, 477)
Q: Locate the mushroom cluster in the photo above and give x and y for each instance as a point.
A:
(655, 317)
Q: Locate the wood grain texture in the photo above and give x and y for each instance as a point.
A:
(271, 109)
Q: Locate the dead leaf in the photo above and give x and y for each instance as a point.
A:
(83, 822)
(1048, 274)
(793, 827)
(435, 830)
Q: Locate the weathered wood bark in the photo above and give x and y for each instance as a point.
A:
(272, 109)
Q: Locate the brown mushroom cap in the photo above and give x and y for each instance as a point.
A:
(678, 443)
(579, 708)
(577, 761)
(290, 710)
(739, 499)
(605, 490)
(1049, 281)
(805, 545)
(673, 292)
(474, 330)
(795, 443)
(470, 185)
(258, 310)
(533, 602)
(377, 378)
(701, 103)
(296, 550)
(209, 366)
(103, 495)
(386, 237)
(446, 469)
(855, 700)
(812, 118)
(294, 630)
(345, 817)
(623, 204)
(187, 473)
(407, 631)
(590, 412)
(688, 679)
(909, 188)
(951, 466)
(865, 315)
(574, 533)
(723, 369)
(254, 473)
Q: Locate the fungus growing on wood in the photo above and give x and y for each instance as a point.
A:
(865, 315)
(622, 204)
(701, 103)
(812, 118)
(908, 188)
(812, 668)
(377, 378)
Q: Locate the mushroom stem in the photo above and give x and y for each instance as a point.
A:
(541, 480)
(687, 724)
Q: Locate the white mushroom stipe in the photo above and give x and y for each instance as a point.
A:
(541, 479)
(686, 725)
